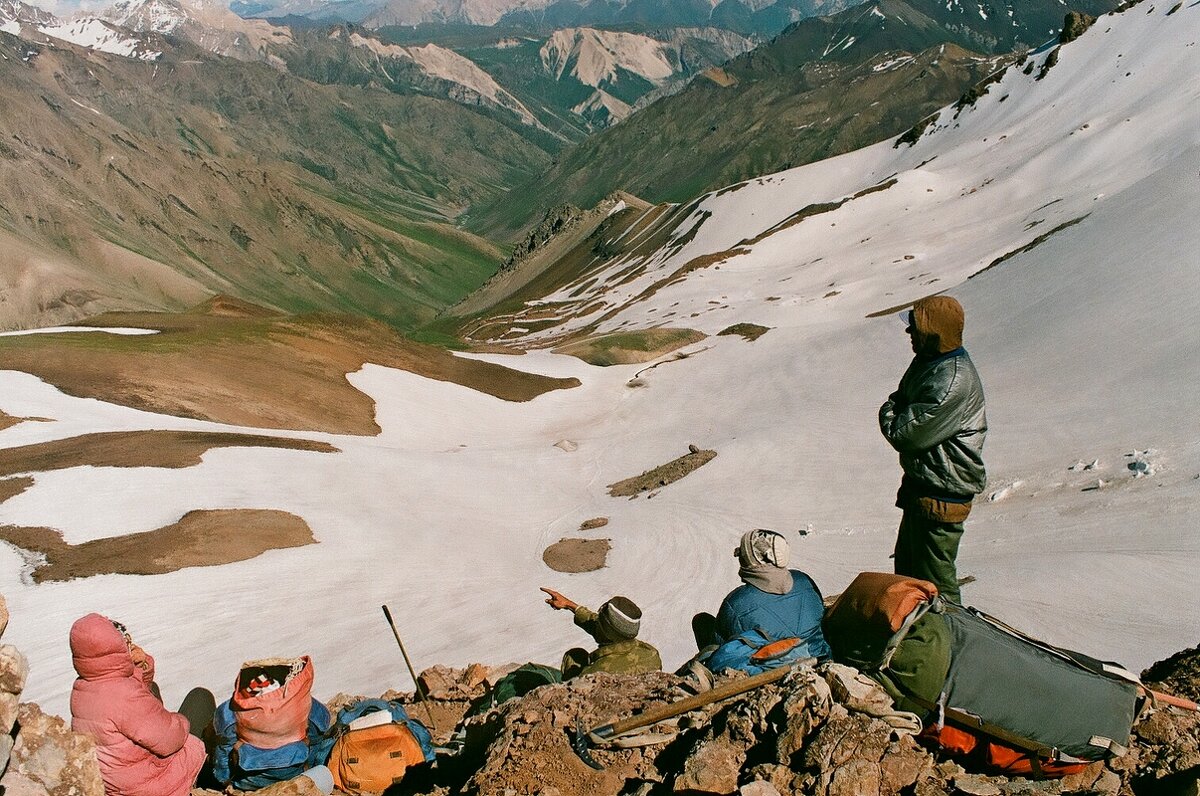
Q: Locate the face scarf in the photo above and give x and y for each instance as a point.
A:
(763, 556)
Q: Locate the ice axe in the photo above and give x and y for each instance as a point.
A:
(585, 739)
(420, 692)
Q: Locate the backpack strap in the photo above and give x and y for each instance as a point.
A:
(893, 643)
(1113, 671)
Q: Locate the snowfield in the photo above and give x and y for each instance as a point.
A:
(97, 34)
(1087, 345)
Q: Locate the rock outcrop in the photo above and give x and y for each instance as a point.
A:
(815, 733)
(823, 731)
(39, 754)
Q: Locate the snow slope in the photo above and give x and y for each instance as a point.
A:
(207, 23)
(98, 34)
(1086, 345)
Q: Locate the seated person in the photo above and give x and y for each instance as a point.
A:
(614, 627)
(777, 601)
(143, 748)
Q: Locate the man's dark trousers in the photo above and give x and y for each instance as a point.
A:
(927, 549)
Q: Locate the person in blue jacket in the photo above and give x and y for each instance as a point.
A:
(774, 600)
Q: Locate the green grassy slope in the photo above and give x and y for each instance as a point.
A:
(127, 185)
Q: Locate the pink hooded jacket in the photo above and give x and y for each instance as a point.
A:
(143, 748)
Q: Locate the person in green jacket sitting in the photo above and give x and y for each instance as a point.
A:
(615, 628)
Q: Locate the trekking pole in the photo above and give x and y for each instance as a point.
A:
(420, 695)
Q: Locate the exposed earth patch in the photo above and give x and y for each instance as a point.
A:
(199, 539)
(593, 523)
(577, 555)
(747, 331)
(8, 421)
(627, 348)
(664, 474)
(11, 487)
(248, 368)
(173, 449)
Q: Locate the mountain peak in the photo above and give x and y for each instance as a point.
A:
(23, 13)
(594, 56)
(158, 16)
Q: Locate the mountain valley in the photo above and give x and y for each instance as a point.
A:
(333, 304)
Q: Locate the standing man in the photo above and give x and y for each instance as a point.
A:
(936, 422)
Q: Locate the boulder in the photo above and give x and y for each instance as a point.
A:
(14, 669)
(443, 682)
(525, 745)
(9, 704)
(49, 758)
(712, 767)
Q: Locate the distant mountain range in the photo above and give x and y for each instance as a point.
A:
(131, 183)
(825, 86)
(582, 79)
(749, 17)
(308, 166)
(556, 88)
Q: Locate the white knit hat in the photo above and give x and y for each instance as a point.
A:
(761, 547)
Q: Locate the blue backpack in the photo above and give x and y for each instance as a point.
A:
(756, 652)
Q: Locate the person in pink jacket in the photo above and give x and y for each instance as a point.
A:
(143, 748)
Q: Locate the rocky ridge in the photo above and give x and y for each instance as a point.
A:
(825, 731)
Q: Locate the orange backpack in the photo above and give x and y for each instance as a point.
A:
(374, 750)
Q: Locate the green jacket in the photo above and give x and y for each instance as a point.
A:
(629, 656)
(936, 422)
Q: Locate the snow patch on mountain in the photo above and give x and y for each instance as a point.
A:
(206, 23)
(889, 64)
(118, 330)
(147, 16)
(966, 193)
(16, 11)
(593, 56)
(11, 27)
(97, 34)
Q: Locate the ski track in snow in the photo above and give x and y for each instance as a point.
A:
(1086, 346)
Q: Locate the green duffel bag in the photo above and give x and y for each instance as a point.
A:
(915, 674)
(1061, 704)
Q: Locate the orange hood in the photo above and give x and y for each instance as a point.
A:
(937, 325)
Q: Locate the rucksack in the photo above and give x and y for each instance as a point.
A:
(267, 731)
(756, 652)
(985, 690)
(517, 683)
(373, 743)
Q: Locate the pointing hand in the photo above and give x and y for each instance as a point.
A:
(557, 601)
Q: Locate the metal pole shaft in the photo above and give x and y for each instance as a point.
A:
(417, 686)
